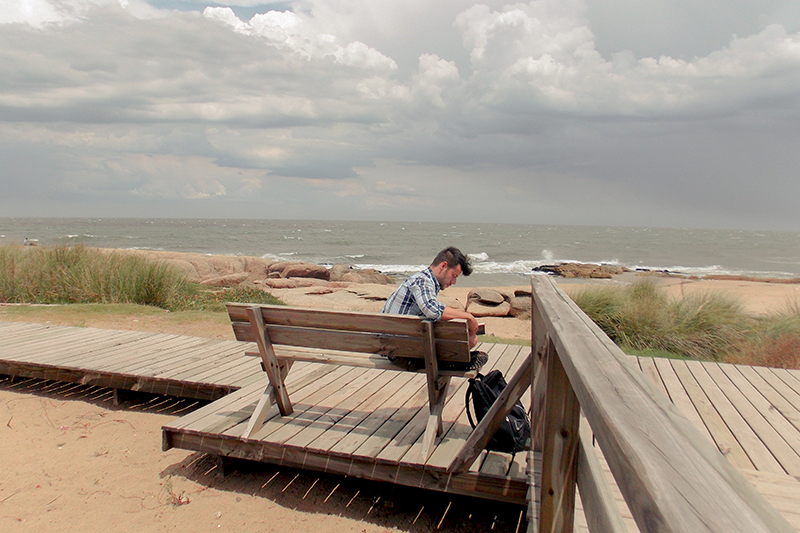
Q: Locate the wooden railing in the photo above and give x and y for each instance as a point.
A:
(671, 477)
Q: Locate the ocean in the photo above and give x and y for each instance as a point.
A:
(502, 254)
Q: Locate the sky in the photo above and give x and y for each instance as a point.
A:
(657, 113)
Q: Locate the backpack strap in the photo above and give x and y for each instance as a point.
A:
(469, 395)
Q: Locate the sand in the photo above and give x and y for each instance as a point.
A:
(72, 460)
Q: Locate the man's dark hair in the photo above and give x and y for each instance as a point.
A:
(454, 257)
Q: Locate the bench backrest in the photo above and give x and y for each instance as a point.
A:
(352, 331)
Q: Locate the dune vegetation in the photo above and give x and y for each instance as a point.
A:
(79, 274)
(643, 320)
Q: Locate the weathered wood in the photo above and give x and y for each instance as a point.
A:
(398, 335)
(599, 505)
(267, 399)
(366, 341)
(343, 339)
(559, 448)
(777, 436)
(332, 357)
(732, 418)
(437, 391)
(680, 397)
(402, 325)
(672, 479)
(271, 365)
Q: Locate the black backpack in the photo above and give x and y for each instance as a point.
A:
(513, 434)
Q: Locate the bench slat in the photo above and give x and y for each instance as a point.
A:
(453, 330)
(348, 359)
(350, 341)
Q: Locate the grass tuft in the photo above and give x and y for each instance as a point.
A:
(641, 319)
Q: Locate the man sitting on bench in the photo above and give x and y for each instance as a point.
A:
(418, 296)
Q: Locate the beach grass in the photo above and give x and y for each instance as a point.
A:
(642, 320)
(82, 275)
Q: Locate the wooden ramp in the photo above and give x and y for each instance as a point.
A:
(360, 422)
(176, 365)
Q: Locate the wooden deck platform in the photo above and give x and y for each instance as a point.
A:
(359, 422)
(189, 367)
(368, 423)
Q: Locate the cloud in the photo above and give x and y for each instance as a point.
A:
(140, 100)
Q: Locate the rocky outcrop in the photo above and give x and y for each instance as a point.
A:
(347, 273)
(306, 270)
(520, 306)
(582, 270)
(480, 310)
(290, 283)
(499, 302)
(487, 297)
(231, 280)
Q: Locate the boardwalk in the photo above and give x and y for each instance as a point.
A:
(189, 367)
(367, 423)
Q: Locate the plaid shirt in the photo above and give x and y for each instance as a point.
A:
(417, 296)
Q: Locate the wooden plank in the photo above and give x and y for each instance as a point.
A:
(62, 354)
(780, 397)
(777, 434)
(322, 403)
(345, 416)
(752, 444)
(600, 508)
(388, 430)
(677, 393)
(376, 342)
(303, 375)
(217, 357)
(270, 364)
(326, 384)
(47, 346)
(723, 437)
(500, 489)
(559, 449)
(222, 422)
(145, 359)
(194, 358)
(790, 377)
(122, 347)
(403, 325)
(648, 367)
(783, 492)
(672, 479)
(386, 408)
(42, 336)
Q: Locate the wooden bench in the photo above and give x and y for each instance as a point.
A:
(286, 334)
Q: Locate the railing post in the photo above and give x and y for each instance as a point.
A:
(560, 443)
(540, 339)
